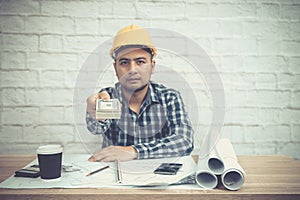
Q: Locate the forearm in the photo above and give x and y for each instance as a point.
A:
(96, 127)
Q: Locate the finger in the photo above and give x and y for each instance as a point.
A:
(103, 95)
(92, 159)
(108, 159)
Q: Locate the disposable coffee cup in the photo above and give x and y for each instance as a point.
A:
(50, 159)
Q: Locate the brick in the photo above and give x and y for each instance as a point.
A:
(91, 141)
(295, 30)
(178, 26)
(51, 115)
(19, 42)
(289, 115)
(294, 63)
(77, 148)
(52, 7)
(20, 7)
(203, 98)
(270, 133)
(49, 133)
(289, 81)
(130, 6)
(11, 133)
(235, 46)
(230, 28)
(58, 25)
(70, 78)
(13, 96)
(268, 98)
(82, 43)
(69, 114)
(266, 81)
(52, 79)
(265, 148)
(107, 28)
(238, 81)
(21, 148)
(205, 44)
(51, 97)
(295, 100)
(18, 78)
(228, 10)
(205, 116)
(296, 133)
(81, 8)
(269, 64)
(13, 60)
(291, 148)
(54, 61)
(235, 98)
(203, 27)
(290, 47)
(241, 116)
(165, 10)
(290, 12)
(20, 115)
(87, 26)
(106, 8)
(234, 133)
(268, 11)
(12, 24)
(244, 148)
(51, 43)
(196, 10)
(231, 64)
(268, 46)
(266, 30)
(268, 116)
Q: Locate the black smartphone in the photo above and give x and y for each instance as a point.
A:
(168, 168)
(30, 172)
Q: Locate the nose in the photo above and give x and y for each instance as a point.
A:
(133, 66)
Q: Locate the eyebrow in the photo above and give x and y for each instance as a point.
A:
(127, 59)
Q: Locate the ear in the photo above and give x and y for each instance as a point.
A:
(153, 63)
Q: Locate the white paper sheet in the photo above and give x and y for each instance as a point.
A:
(135, 173)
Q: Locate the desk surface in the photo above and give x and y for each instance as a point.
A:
(267, 177)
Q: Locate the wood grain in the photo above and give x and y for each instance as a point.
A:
(267, 177)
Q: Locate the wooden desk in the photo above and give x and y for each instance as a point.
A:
(267, 177)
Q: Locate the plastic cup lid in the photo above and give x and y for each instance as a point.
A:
(49, 149)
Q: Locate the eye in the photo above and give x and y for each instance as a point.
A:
(123, 63)
(140, 62)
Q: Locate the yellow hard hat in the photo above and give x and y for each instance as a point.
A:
(132, 35)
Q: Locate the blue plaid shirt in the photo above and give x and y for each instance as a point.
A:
(161, 129)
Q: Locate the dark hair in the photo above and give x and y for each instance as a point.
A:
(143, 47)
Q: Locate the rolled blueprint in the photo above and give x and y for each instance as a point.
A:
(233, 176)
(204, 177)
(222, 161)
(215, 163)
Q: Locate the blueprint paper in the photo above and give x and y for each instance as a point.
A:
(135, 173)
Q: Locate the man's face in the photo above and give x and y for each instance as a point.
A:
(134, 67)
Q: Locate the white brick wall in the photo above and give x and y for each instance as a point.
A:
(255, 46)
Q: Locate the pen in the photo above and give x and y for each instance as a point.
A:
(98, 170)
(118, 172)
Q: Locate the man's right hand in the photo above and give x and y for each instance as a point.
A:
(91, 102)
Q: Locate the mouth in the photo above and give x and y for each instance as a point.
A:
(133, 79)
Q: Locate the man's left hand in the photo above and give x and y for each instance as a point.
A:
(112, 153)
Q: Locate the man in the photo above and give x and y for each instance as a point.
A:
(154, 122)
